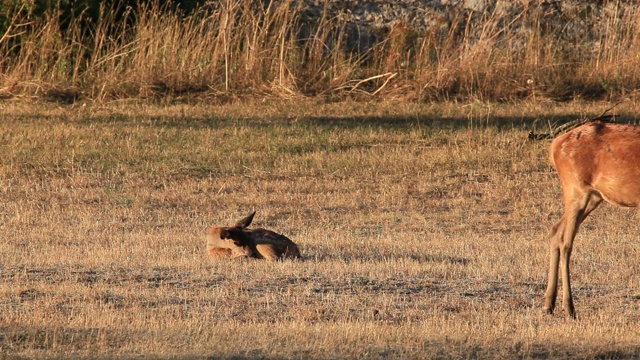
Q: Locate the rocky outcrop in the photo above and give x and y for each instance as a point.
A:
(369, 20)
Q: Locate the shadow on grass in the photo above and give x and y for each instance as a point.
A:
(539, 123)
(446, 259)
(320, 256)
(447, 348)
(401, 122)
(391, 122)
(63, 342)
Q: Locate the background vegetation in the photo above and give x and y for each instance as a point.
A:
(232, 49)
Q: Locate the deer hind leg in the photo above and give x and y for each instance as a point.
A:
(554, 260)
(562, 236)
(268, 251)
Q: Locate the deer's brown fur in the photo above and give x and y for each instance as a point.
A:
(239, 241)
(595, 161)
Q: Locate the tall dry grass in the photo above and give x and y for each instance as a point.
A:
(494, 57)
(239, 48)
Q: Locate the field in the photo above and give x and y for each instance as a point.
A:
(423, 226)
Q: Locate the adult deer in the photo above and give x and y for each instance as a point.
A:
(239, 241)
(596, 161)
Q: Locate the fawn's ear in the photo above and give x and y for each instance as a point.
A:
(245, 222)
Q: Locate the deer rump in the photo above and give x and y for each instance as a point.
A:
(599, 160)
(596, 161)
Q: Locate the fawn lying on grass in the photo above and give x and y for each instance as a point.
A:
(238, 241)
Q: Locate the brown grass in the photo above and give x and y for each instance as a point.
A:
(424, 227)
(240, 49)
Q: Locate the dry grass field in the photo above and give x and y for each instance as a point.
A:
(424, 230)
